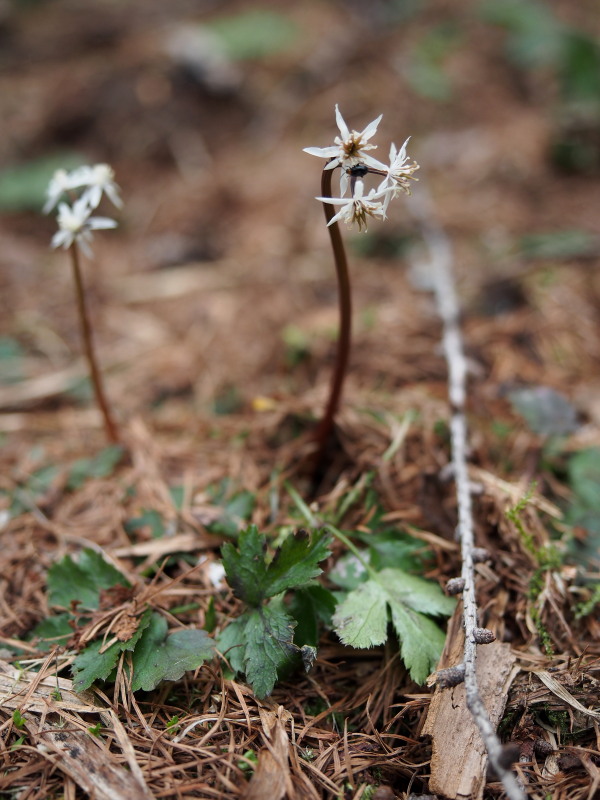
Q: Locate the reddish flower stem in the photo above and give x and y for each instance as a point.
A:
(86, 332)
(325, 427)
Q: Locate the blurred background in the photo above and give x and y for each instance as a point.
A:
(218, 287)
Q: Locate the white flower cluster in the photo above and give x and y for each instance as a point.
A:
(349, 152)
(75, 223)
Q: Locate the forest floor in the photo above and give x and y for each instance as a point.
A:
(215, 315)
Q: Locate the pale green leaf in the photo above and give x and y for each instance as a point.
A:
(417, 593)
(421, 641)
(361, 619)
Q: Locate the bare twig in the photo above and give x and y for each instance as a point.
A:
(441, 272)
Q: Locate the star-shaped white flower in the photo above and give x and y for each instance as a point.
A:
(358, 208)
(398, 174)
(96, 181)
(60, 183)
(349, 149)
(76, 225)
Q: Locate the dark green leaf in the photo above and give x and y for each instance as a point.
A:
(311, 605)
(245, 566)
(268, 635)
(297, 561)
(232, 644)
(69, 581)
(159, 657)
(55, 629)
(91, 665)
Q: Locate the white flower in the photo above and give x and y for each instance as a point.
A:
(59, 184)
(96, 181)
(349, 149)
(76, 225)
(398, 174)
(358, 207)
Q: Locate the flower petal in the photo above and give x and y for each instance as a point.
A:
(343, 128)
(371, 129)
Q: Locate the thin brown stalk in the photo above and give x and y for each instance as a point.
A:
(86, 332)
(325, 427)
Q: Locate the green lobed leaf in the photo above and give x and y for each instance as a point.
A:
(245, 566)
(159, 657)
(295, 563)
(91, 665)
(421, 641)
(269, 651)
(70, 581)
(361, 619)
(415, 592)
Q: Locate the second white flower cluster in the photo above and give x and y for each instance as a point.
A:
(84, 187)
(349, 153)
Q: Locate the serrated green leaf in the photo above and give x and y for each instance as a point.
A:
(245, 566)
(361, 619)
(421, 641)
(269, 651)
(69, 581)
(91, 665)
(296, 562)
(100, 466)
(159, 657)
(417, 593)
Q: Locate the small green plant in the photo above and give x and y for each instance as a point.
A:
(380, 596)
(156, 654)
(350, 153)
(75, 226)
(547, 558)
(18, 719)
(173, 724)
(95, 730)
(260, 642)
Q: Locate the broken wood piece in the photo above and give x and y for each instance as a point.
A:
(459, 759)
